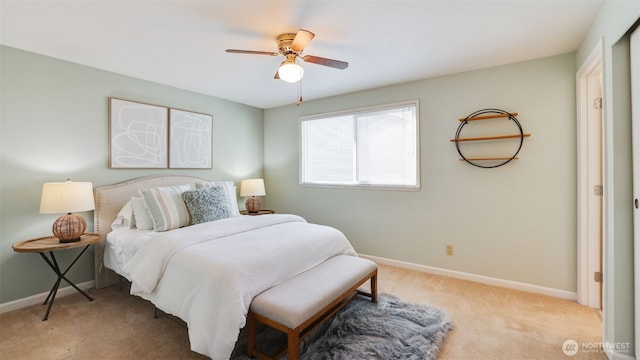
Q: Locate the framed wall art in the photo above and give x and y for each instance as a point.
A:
(190, 140)
(138, 135)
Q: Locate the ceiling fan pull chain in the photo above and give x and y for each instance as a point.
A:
(299, 93)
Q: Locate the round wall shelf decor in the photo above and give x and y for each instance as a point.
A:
(489, 114)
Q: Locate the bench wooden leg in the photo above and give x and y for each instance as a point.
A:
(251, 336)
(293, 344)
(374, 288)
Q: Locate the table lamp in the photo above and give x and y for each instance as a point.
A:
(66, 198)
(252, 188)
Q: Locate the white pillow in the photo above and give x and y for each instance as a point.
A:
(166, 207)
(124, 218)
(230, 189)
(141, 217)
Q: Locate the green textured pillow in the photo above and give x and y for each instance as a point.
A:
(207, 204)
(230, 188)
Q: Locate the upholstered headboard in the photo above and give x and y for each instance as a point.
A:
(109, 200)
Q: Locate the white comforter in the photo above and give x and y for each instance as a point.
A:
(207, 274)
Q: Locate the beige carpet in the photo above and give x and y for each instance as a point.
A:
(490, 323)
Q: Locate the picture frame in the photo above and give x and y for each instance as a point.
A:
(138, 135)
(190, 140)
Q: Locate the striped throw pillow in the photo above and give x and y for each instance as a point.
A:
(166, 206)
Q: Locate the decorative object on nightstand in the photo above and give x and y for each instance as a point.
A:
(50, 244)
(66, 198)
(252, 188)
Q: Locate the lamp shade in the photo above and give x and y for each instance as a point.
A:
(252, 187)
(290, 71)
(66, 197)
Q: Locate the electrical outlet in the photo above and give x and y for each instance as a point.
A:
(449, 249)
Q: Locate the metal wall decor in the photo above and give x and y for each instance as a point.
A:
(493, 161)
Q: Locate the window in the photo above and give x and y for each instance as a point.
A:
(368, 147)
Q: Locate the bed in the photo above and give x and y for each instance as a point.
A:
(207, 272)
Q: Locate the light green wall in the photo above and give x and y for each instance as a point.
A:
(614, 20)
(516, 222)
(54, 126)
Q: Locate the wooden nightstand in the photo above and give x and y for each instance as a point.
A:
(50, 244)
(260, 212)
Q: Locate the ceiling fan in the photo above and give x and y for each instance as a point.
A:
(291, 46)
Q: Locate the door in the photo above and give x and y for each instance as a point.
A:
(594, 197)
(589, 126)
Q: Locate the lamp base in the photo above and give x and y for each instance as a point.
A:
(68, 228)
(253, 204)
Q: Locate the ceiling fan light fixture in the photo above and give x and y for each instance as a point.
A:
(290, 71)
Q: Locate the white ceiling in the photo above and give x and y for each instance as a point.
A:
(182, 43)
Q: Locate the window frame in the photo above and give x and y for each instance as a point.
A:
(357, 111)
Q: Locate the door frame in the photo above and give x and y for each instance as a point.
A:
(589, 252)
(635, 113)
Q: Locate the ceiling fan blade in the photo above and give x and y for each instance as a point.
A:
(326, 62)
(252, 52)
(301, 40)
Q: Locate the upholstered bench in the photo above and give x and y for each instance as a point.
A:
(300, 304)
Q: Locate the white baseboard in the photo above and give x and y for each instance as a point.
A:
(39, 298)
(563, 294)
